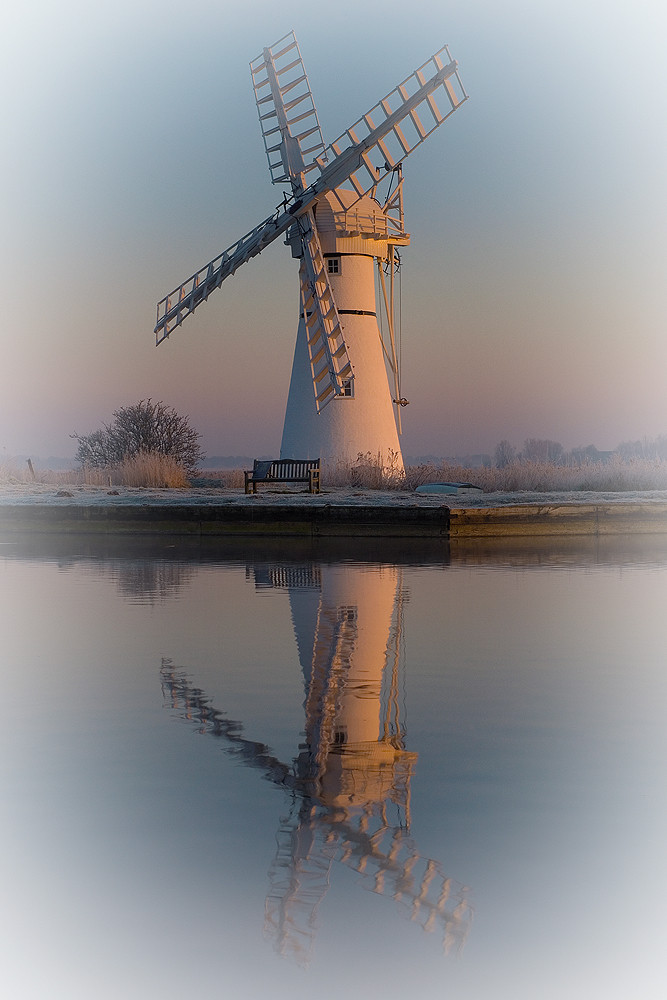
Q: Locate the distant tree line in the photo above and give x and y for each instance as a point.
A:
(655, 448)
(552, 452)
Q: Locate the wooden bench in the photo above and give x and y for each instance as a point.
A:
(284, 470)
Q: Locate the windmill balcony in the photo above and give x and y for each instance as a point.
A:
(359, 232)
(371, 225)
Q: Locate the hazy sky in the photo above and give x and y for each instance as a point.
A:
(533, 295)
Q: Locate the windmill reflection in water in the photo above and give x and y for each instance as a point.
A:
(349, 785)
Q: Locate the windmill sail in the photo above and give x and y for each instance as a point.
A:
(293, 142)
(179, 304)
(380, 140)
(330, 365)
(315, 834)
(384, 857)
(287, 115)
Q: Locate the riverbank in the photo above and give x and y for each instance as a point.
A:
(209, 512)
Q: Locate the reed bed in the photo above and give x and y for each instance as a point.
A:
(369, 473)
(152, 470)
(229, 479)
(149, 470)
(615, 475)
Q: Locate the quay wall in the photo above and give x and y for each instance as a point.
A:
(335, 520)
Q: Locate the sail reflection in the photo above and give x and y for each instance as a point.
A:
(349, 784)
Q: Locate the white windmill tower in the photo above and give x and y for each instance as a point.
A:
(342, 216)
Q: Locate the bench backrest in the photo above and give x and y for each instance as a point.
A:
(285, 468)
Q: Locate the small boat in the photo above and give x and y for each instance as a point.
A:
(451, 488)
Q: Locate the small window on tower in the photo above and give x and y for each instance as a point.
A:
(347, 387)
(333, 265)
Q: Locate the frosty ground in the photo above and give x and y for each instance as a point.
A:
(49, 494)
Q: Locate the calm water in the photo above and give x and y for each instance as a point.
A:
(285, 771)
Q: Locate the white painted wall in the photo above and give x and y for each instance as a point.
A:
(346, 427)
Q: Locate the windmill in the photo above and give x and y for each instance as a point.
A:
(342, 216)
(349, 788)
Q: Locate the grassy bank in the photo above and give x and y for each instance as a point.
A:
(158, 471)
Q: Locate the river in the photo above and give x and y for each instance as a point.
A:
(298, 769)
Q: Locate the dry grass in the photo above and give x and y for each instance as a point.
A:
(150, 469)
(147, 470)
(545, 477)
(617, 475)
(229, 479)
(368, 473)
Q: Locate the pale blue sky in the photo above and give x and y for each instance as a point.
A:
(533, 296)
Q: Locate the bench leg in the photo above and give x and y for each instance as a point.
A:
(250, 484)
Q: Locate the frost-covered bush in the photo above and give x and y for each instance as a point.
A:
(142, 429)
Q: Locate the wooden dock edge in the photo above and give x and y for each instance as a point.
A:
(524, 520)
(335, 521)
(199, 520)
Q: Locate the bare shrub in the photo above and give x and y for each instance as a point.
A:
(142, 428)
